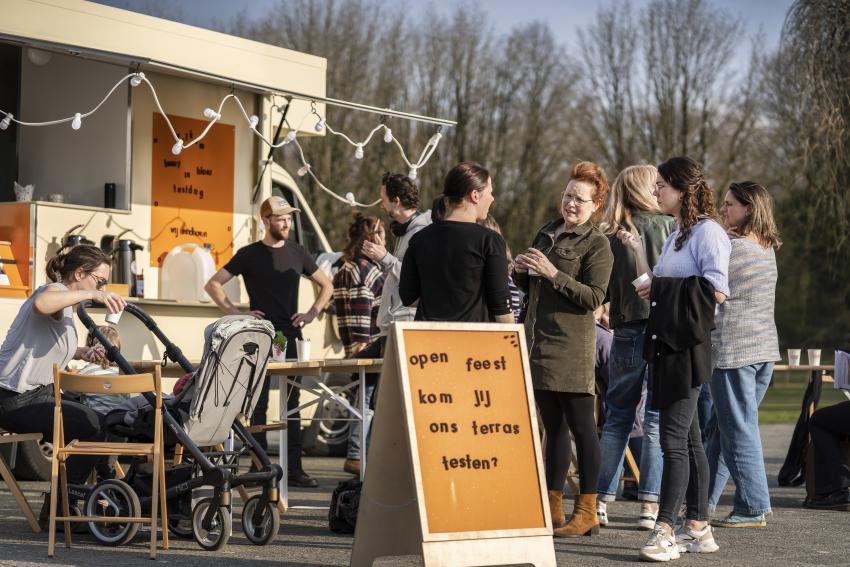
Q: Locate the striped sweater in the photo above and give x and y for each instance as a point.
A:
(357, 298)
(746, 331)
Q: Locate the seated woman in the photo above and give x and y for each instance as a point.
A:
(43, 334)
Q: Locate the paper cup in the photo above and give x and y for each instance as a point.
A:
(640, 280)
(813, 355)
(303, 350)
(793, 357)
(113, 318)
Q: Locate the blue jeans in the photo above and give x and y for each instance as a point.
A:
(626, 377)
(734, 443)
(354, 448)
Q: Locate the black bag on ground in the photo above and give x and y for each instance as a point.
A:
(342, 515)
(793, 471)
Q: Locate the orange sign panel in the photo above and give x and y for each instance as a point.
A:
(473, 431)
(192, 192)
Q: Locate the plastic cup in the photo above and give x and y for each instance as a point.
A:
(793, 357)
(278, 355)
(640, 280)
(113, 318)
(302, 350)
(813, 355)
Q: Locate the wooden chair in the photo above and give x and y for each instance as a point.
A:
(9, 478)
(115, 384)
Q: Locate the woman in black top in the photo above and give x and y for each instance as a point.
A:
(455, 268)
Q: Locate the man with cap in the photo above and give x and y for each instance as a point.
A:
(271, 269)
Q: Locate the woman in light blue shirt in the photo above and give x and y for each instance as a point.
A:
(698, 247)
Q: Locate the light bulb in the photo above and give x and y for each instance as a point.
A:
(211, 114)
(350, 198)
(412, 173)
(6, 121)
(302, 171)
(177, 147)
(388, 135)
(358, 153)
(290, 136)
(77, 121)
(136, 79)
(320, 125)
(253, 121)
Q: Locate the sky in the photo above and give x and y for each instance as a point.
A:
(564, 16)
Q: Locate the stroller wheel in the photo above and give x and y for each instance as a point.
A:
(263, 531)
(113, 498)
(215, 535)
(180, 527)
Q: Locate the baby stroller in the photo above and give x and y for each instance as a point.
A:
(223, 391)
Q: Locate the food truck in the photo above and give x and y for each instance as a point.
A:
(114, 178)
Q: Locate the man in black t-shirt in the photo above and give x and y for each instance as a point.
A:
(271, 269)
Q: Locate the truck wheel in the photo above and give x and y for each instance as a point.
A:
(33, 461)
(326, 437)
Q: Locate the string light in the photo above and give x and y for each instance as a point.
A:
(213, 115)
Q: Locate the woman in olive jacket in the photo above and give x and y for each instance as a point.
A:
(565, 274)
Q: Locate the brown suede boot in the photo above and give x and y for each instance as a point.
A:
(584, 521)
(556, 507)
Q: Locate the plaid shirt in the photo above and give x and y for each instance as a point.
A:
(357, 298)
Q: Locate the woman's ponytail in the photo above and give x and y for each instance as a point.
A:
(439, 208)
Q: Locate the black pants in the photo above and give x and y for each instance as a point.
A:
(561, 413)
(829, 428)
(32, 412)
(685, 464)
(293, 430)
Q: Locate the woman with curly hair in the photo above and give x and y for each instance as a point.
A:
(698, 247)
(358, 286)
(565, 273)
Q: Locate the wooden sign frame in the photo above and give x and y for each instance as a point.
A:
(392, 518)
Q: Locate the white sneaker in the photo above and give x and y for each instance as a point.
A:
(660, 546)
(602, 513)
(692, 541)
(646, 520)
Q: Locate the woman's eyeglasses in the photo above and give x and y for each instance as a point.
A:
(99, 282)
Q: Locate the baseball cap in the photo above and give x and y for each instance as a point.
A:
(277, 206)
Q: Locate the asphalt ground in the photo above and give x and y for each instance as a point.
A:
(793, 536)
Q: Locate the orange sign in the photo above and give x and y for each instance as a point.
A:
(473, 433)
(192, 192)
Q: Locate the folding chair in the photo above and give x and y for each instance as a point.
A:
(9, 478)
(115, 384)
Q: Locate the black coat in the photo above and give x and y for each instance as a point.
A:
(678, 337)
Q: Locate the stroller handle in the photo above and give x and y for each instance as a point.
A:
(172, 351)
